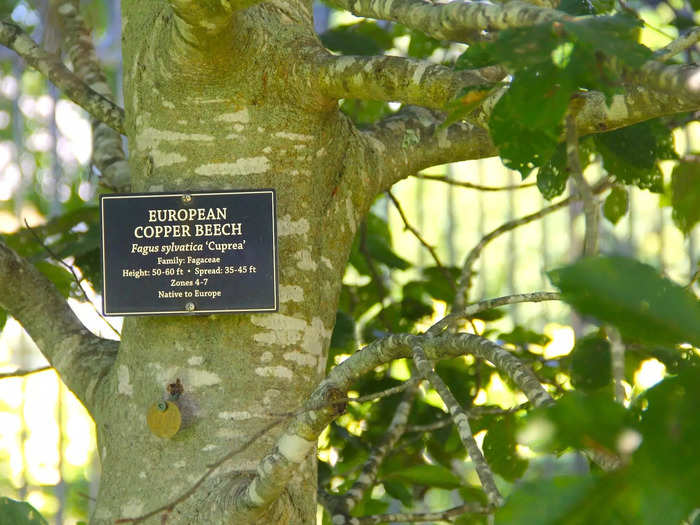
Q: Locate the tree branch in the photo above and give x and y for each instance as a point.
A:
(680, 44)
(467, 508)
(471, 310)
(590, 206)
(49, 65)
(425, 367)
(391, 78)
(473, 412)
(454, 21)
(368, 475)
(465, 280)
(407, 226)
(637, 104)
(80, 358)
(416, 141)
(681, 81)
(23, 373)
(471, 185)
(71, 269)
(107, 152)
(300, 436)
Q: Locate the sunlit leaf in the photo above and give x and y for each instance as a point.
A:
(633, 297)
(523, 336)
(591, 363)
(500, 450)
(362, 38)
(61, 278)
(685, 195)
(526, 120)
(430, 475)
(561, 494)
(631, 154)
(19, 513)
(616, 204)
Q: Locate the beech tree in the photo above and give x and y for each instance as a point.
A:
(243, 95)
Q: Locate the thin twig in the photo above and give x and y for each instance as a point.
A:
(465, 280)
(23, 373)
(425, 367)
(368, 475)
(362, 399)
(467, 508)
(617, 357)
(469, 311)
(473, 412)
(70, 268)
(12, 36)
(471, 185)
(407, 226)
(168, 507)
(693, 280)
(590, 206)
(680, 44)
(376, 278)
(107, 152)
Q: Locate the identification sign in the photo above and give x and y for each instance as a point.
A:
(184, 253)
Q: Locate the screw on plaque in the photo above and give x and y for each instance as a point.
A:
(164, 419)
(189, 307)
(186, 198)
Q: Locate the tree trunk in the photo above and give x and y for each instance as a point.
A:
(231, 119)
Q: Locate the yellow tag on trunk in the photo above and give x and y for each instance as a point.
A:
(164, 419)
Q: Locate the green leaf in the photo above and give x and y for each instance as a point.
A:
(616, 36)
(468, 99)
(343, 331)
(520, 336)
(422, 46)
(459, 376)
(362, 38)
(369, 506)
(685, 195)
(365, 112)
(90, 264)
(526, 121)
(429, 475)
(576, 7)
(666, 467)
(580, 420)
(616, 204)
(558, 496)
(398, 491)
(631, 154)
(591, 363)
(3, 318)
(500, 450)
(19, 513)
(492, 314)
(552, 176)
(58, 275)
(632, 296)
(527, 47)
(377, 244)
(437, 283)
(478, 55)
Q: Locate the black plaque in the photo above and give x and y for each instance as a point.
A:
(188, 253)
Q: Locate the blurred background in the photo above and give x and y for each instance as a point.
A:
(47, 441)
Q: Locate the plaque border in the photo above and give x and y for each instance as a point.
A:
(203, 193)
